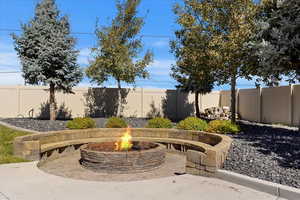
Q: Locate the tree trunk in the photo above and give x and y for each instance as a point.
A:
(197, 104)
(233, 98)
(52, 102)
(119, 99)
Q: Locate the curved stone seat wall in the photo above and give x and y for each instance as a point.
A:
(206, 152)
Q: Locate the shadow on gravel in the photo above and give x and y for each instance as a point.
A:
(284, 143)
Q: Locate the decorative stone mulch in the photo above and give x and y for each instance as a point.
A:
(47, 125)
(266, 152)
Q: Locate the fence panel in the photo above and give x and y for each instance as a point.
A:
(9, 99)
(276, 105)
(249, 104)
(210, 100)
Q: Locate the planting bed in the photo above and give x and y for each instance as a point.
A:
(266, 152)
(47, 125)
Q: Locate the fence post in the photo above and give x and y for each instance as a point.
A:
(237, 95)
(142, 102)
(201, 103)
(291, 104)
(259, 106)
(19, 100)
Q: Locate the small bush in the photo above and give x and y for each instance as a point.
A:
(159, 122)
(116, 122)
(81, 123)
(192, 123)
(223, 127)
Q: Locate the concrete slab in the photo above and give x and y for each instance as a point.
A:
(24, 181)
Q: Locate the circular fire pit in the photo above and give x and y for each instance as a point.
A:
(103, 157)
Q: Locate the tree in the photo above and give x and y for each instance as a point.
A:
(192, 70)
(229, 25)
(118, 49)
(276, 44)
(46, 51)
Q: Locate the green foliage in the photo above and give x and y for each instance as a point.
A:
(46, 49)
(7, 137)
(223, 29)
(116, 122)
(118, 50)
(159, 122)
(192, 123)
(276, 44)
(223, 127)
(192, 70)
(81, 123)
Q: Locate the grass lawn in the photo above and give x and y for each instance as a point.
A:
(7, 136)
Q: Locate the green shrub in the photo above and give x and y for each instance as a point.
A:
(159, 122)
(81, 123)
(222, 126)
(192, 123)
(116, 122)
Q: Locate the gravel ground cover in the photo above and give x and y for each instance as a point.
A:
(47, 125)
(266, 152)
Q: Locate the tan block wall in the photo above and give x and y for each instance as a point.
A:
(9, 106)
(28, 101)
(225, 98)
(249, 104)
(210, 100)
(276, 104)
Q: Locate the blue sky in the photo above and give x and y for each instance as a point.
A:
(159, 22)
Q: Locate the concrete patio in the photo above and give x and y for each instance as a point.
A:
(24, 181)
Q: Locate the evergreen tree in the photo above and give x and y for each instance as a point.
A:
(276, 44)
(192, 70)
(118, 49)
(46, 51)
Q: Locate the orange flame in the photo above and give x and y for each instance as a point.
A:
(125, 144)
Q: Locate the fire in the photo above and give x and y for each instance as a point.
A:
(125, 144)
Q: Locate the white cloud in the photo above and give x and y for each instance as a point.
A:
(160, 43)
(84, 56)
(11, 79)
(9, 60)
(161, 67)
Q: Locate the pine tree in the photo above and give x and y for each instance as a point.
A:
(118, 50)
(47, 53)
(192, 70)
(276, 44)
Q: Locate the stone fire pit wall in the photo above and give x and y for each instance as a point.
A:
(206, 152)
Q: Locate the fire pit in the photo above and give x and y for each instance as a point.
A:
(122, 156)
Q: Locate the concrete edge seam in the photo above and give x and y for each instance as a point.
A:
(260, 185)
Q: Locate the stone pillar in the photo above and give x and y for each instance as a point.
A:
(29, 150)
